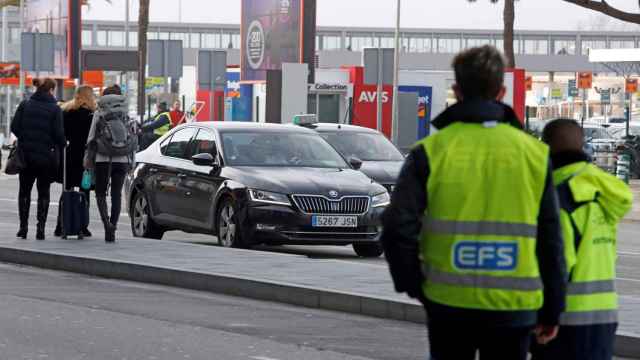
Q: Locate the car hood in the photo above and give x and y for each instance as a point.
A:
(383, 172)
(310, 181)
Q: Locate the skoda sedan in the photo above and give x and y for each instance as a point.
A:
(251, 183)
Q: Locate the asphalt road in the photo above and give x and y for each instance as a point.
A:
(62, 316)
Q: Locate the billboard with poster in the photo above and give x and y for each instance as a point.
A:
(274, 32)
(62, 19)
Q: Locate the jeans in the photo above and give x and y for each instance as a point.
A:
(42, 180)
(449, 341)
(587, 342)
(111, 174)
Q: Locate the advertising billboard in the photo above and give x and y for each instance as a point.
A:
(62, 19)
(424, 107)
(276, 32)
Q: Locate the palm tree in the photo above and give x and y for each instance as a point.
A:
(508, 16)
(143, 27)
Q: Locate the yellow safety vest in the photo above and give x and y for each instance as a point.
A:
(478, 244)
(164, 128)
(589, 220)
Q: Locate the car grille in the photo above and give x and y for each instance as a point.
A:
(314, 204)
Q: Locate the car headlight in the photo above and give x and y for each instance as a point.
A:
(380, 200)
(267, 197)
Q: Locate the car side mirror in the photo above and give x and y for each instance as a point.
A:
(355, 163)
(204, 159)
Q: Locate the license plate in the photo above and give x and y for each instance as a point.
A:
(334, 221)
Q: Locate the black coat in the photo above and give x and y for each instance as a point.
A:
(77, 124)
(38, 126)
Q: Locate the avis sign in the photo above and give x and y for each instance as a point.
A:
(365, 106)
(372, 97)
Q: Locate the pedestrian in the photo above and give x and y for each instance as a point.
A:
(176, 114)
(473, 228)
(77, 115)
(592, 204)
(37, 124)
(110, 153)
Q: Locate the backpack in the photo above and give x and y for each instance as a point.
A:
(115, 135)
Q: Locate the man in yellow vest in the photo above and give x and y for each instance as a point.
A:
(473, 230)
(592, 204)
(156, 128)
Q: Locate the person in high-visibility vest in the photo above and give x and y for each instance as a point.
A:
(592, 202)
(159, 126)
(473, 229)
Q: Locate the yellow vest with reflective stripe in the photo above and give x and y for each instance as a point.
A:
(164, 128)
(478, 244)
(590, 234)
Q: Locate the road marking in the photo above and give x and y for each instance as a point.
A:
(627, 279)
(263, 358)
(628, 253)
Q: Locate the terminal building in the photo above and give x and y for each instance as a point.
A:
(550, 57)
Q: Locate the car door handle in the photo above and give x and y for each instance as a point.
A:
(182, 176)
(153, 170)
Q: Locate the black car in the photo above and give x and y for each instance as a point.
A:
(381, 160)
(253, 183)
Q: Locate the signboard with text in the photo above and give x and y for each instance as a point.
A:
(274, 32)
(572, 88)
(631, 86)
(585, 80)
(605, 96)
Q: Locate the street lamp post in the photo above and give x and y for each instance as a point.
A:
(22, 79)
(396, 67)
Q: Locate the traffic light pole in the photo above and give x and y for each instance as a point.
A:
(584, 107)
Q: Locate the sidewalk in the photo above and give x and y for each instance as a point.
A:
(319, 283)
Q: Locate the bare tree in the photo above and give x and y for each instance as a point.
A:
(604, 8)
(508, 16)
(143, 27)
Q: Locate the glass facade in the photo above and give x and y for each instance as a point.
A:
(527, 43)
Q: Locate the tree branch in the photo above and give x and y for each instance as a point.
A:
(604, 8)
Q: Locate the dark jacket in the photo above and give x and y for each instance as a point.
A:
(77, 124)
(402, 227)
(38, 126)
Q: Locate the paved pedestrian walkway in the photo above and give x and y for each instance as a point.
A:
(634, 215)
(336, 276)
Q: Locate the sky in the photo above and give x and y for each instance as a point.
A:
(448, 14)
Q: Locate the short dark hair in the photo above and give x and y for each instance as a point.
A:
(163, 106)
(112, 90)
(44, 85)
(563, 135)
(479, 72)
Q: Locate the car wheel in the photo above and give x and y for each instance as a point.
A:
(229, 232)
(141, 223)
(368, 250)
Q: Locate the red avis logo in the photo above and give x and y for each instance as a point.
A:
(372, 97)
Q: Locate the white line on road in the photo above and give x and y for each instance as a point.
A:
(263, 358)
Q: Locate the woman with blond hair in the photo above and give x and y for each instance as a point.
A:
(77, 114)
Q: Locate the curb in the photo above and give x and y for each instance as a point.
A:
(626, 344)
(258, 289)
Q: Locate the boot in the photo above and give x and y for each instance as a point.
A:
(23, 212)
(58, 231)
(43, 211)
(109, 230)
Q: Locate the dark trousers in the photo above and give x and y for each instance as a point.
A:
(588, 342)
(453, 341)
(28, 178)
(111, 174)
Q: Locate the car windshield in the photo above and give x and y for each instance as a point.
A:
(279, 150)
(596, 133)
(619, 132)
(364, 146)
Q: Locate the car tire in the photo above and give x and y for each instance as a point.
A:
(229, 233)
(368, 250)
(142, 225)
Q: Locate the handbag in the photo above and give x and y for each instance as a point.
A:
(88, 180)
(15, 161)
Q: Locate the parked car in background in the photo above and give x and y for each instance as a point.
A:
(251, 183)
(381, 160)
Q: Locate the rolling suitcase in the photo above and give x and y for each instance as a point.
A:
(75, 212)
